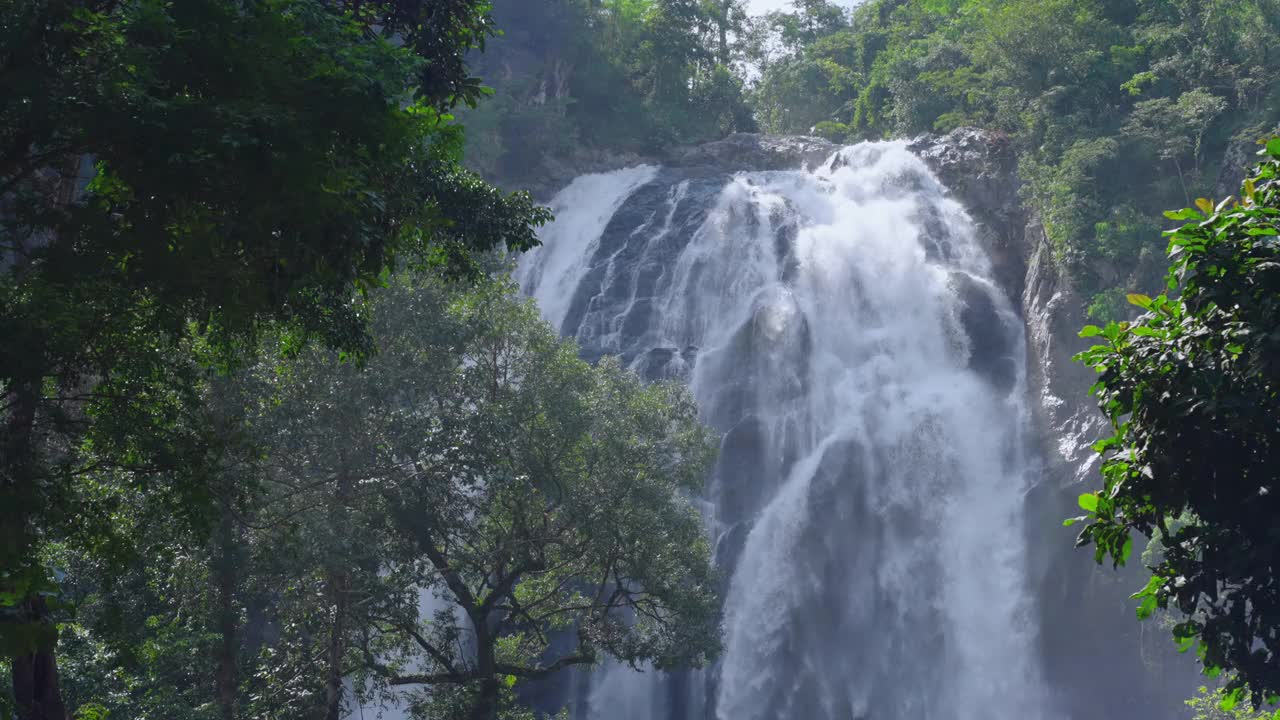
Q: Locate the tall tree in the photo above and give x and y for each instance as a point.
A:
(543, 501)
(469, 509)
(171, 171)
(1192, 389)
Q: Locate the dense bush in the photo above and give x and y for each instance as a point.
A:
(1118, 108)
(618, 75)
(1192, 389)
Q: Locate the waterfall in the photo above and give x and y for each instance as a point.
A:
(839, 326)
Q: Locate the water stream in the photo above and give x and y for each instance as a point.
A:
(839, 326)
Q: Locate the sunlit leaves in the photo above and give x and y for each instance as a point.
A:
(1192, 389)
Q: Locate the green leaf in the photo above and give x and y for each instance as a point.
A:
(1231, 699)
(1089, 501)
(1149, 589)
(1184, 214)
(1147, 607)
(1090, 331)
(1205, 205)
(1273, 147)
(1142, 301)
(1125, 551)
(1072, 521)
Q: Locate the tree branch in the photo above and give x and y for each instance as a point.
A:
(541, 672)
(432, 679)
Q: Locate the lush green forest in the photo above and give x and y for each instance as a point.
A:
(640, 76)
(1118, 109)
(269, 394)
(246, 281)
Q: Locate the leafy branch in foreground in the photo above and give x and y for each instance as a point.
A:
(1192, 390)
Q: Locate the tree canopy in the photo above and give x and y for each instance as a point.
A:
(1117, 109)
(572, 77)
(174, 179)
(472, 509)
(1192, 389)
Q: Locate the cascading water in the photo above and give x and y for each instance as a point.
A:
(839, 327)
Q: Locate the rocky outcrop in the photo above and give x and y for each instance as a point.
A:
(554, 172)
(736, 153)
(1091, 641)
(752, 152)
(1240, 158)
(981, 169)
(1054, 313)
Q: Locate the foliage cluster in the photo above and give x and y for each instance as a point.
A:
(618, 75)
(177, 179)
(1207, 705)
(471, 508)
(1192, 389)
(1118, 108)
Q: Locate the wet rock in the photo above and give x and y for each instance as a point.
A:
(1240, 159)
(980, 168)
(744, 468)
(750, 151)
(991, 339)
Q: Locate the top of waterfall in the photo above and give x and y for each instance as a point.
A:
(752, 151)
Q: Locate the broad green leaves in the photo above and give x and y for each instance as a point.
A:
(180, 179)
(1192, 389)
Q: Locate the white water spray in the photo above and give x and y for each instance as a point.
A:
(840, 327)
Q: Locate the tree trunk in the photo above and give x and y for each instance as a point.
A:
(723, 49)
(1182, 181)
(485, 706)
(225, 580)
(339, 582)
(339, 588)
(34, 673)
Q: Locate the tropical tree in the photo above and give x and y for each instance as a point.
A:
(542, 501)
(1192, 389)
(468, 509)
(1177, 129)
(174, 177)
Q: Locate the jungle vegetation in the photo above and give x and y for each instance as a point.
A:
(1192, 390)
(201, 202)
(278, 437)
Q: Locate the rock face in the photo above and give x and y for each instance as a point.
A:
(750, 151)
(1101, 661)
(736, 153)
(1241, 157)
(1091, 640)
(980, 168)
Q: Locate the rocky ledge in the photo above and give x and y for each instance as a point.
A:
(1084, 606)
(744, 152)
(980, 167)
